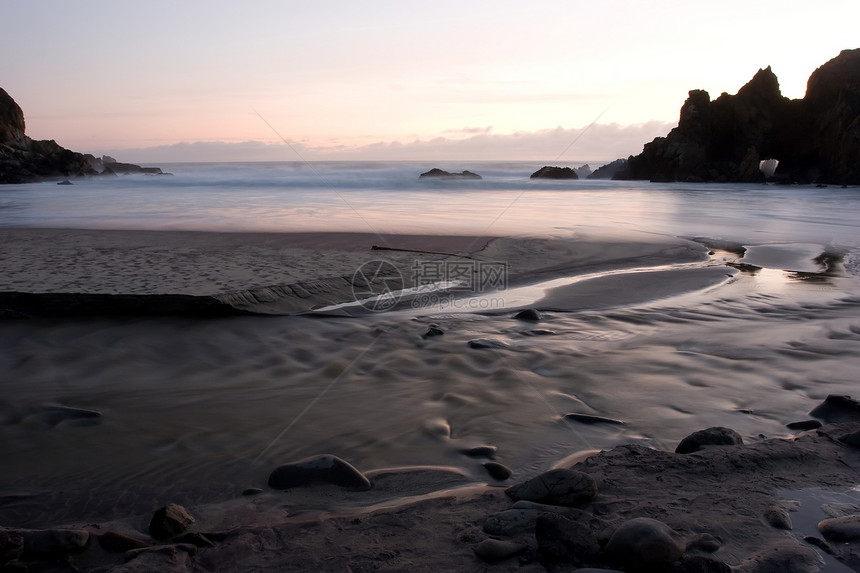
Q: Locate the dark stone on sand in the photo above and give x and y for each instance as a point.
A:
(716, 436)
(704, 542)
(644, 543)
(700, 564)
(11, 545)
(252, 491)
(778, 517)
(836, 408)
(433, 331)
(119, 543)
(556, 487)
(487, 343)
(498, 471)
(548, 172)
(565, 540)
(324, 468)
(480, 452)
(589, 419)
(50, 541)
(804, 425)
(436, 172)
(498, 549)
(529, 314)
(169, 521)
(841, 529)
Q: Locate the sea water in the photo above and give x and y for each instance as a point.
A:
(197, 410)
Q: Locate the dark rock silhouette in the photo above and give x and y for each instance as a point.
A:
(23, 159)
(547, 172)
(436, 172)
(815, 139)
(609, 170)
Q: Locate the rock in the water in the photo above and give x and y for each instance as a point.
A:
(778, 517)
(252, 491)
(498, 471)
(716, 436)
(841, 529)
(787, 556)
(589, 419)
(119, 543)
(498, 549)
(169, 521)
(436, 172)
(65, 182)
(480, 452)
(643, 542)
(11, 545)
(549, 172)
(804, 425)
(325, 468)
(529, 314)
(556, 487)
(487, 343)
(433, 331)
(43, 541)
(836, 408)
(565, 540)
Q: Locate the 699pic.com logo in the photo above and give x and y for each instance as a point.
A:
(377, 286)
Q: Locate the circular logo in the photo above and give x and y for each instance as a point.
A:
(377, 285)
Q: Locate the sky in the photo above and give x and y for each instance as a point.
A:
(575, 80)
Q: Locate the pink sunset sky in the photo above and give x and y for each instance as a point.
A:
(226, 80)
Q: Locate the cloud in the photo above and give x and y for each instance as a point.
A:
(599, 142)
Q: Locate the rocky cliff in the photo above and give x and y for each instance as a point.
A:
(815, 139)
(23, 159)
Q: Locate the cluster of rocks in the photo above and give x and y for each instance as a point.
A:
(441, 174)
(23, 159)
(815, 139)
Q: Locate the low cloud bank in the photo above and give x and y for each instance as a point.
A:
(599, 142)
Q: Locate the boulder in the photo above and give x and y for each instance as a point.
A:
(169, 521)
(644, 543)
(836, 408)
(324, 468)
(841, 529)
(716, 436)
(436, 172)
(547, 172)
(559, 486)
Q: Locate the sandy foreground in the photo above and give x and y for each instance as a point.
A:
(754, 507)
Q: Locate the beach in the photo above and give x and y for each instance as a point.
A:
(114, 409)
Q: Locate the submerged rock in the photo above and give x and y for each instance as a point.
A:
(324, 468)
(590, 419)
(169, 521)
(487, 343)
(716, 436)
(498, 471)
(556, 487)
(643, 543)
(529, 314)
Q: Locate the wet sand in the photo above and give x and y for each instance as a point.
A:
(648, 330)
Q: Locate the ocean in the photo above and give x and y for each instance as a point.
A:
(196, 410)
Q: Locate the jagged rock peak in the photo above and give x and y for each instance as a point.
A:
(11, 119)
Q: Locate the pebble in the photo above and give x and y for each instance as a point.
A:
(842, 529)
(804, 425)
(498, 549)
(589, 419)
(488, 343)
(324, 468)
(529, 314)
(716, 436)
(556, 487)
(644, 543)
(498, 471)
(169, 521)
